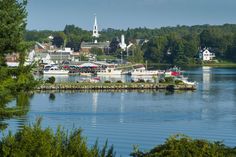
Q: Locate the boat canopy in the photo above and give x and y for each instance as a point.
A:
(88, 65)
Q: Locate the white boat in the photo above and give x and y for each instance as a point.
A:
(189, 82)
(143, 72)
(54, 70)
(85, 74)
(92, 80)
(185, 80)
(142, 78)
(110, 71)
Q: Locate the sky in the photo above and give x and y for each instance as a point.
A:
(123, 14)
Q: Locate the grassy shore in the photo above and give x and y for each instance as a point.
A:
(233, 65)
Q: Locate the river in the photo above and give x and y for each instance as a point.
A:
(144, 118)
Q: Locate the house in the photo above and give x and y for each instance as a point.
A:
(44, 58)
(14, 57)
(141, 41)
(206, 55)
(61, 55)
(44, 47)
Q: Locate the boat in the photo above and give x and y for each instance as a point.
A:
(92, 80)
(85, 74)
(54, 70)
(185, 80)
(143, 72)
(189, 82)
(110, 71)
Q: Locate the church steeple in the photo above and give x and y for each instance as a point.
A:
(95, 28)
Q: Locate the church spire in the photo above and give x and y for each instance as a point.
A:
(95, 28)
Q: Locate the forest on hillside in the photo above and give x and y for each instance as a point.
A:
(169, 45)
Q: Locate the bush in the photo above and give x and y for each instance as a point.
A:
(51, 80)
(162, 81)
(107, 81)
(178, 82)
(181, 145)
(119, 81)
(141, 81)
(169, 79)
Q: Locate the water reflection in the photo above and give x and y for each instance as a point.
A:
(19, 109)
(52, 96)
(122, 106)
(206, 80)
(94, 109)
(114, 78)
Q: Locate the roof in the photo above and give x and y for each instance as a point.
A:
(92, 44)
(40, 45)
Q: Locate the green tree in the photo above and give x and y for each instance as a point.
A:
(114, 44)
(231, 50)
(13, 80)
(136, 54)
(12, 26)
(154, 50)
(59, 39)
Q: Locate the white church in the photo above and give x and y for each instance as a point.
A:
(86, 46)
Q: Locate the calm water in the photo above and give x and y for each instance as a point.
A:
(145, 118)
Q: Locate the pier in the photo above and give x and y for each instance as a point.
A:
(113, 86)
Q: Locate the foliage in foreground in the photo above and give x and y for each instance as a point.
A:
(15, 83)
(35, 141)
(183, 146)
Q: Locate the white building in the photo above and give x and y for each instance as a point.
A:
(123, 44)
(44, 58)
(206, 55)
(95, 30)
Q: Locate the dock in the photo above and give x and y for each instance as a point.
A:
(113, 86)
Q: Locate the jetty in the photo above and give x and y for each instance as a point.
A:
(113, 86)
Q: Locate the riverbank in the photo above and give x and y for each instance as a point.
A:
(113, 86)
(220, 65)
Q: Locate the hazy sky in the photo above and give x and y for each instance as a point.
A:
(121, 14)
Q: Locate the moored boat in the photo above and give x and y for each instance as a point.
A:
(185, 80)
(110, 71)
(54, 70)
(143, 72)
(85, 74)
